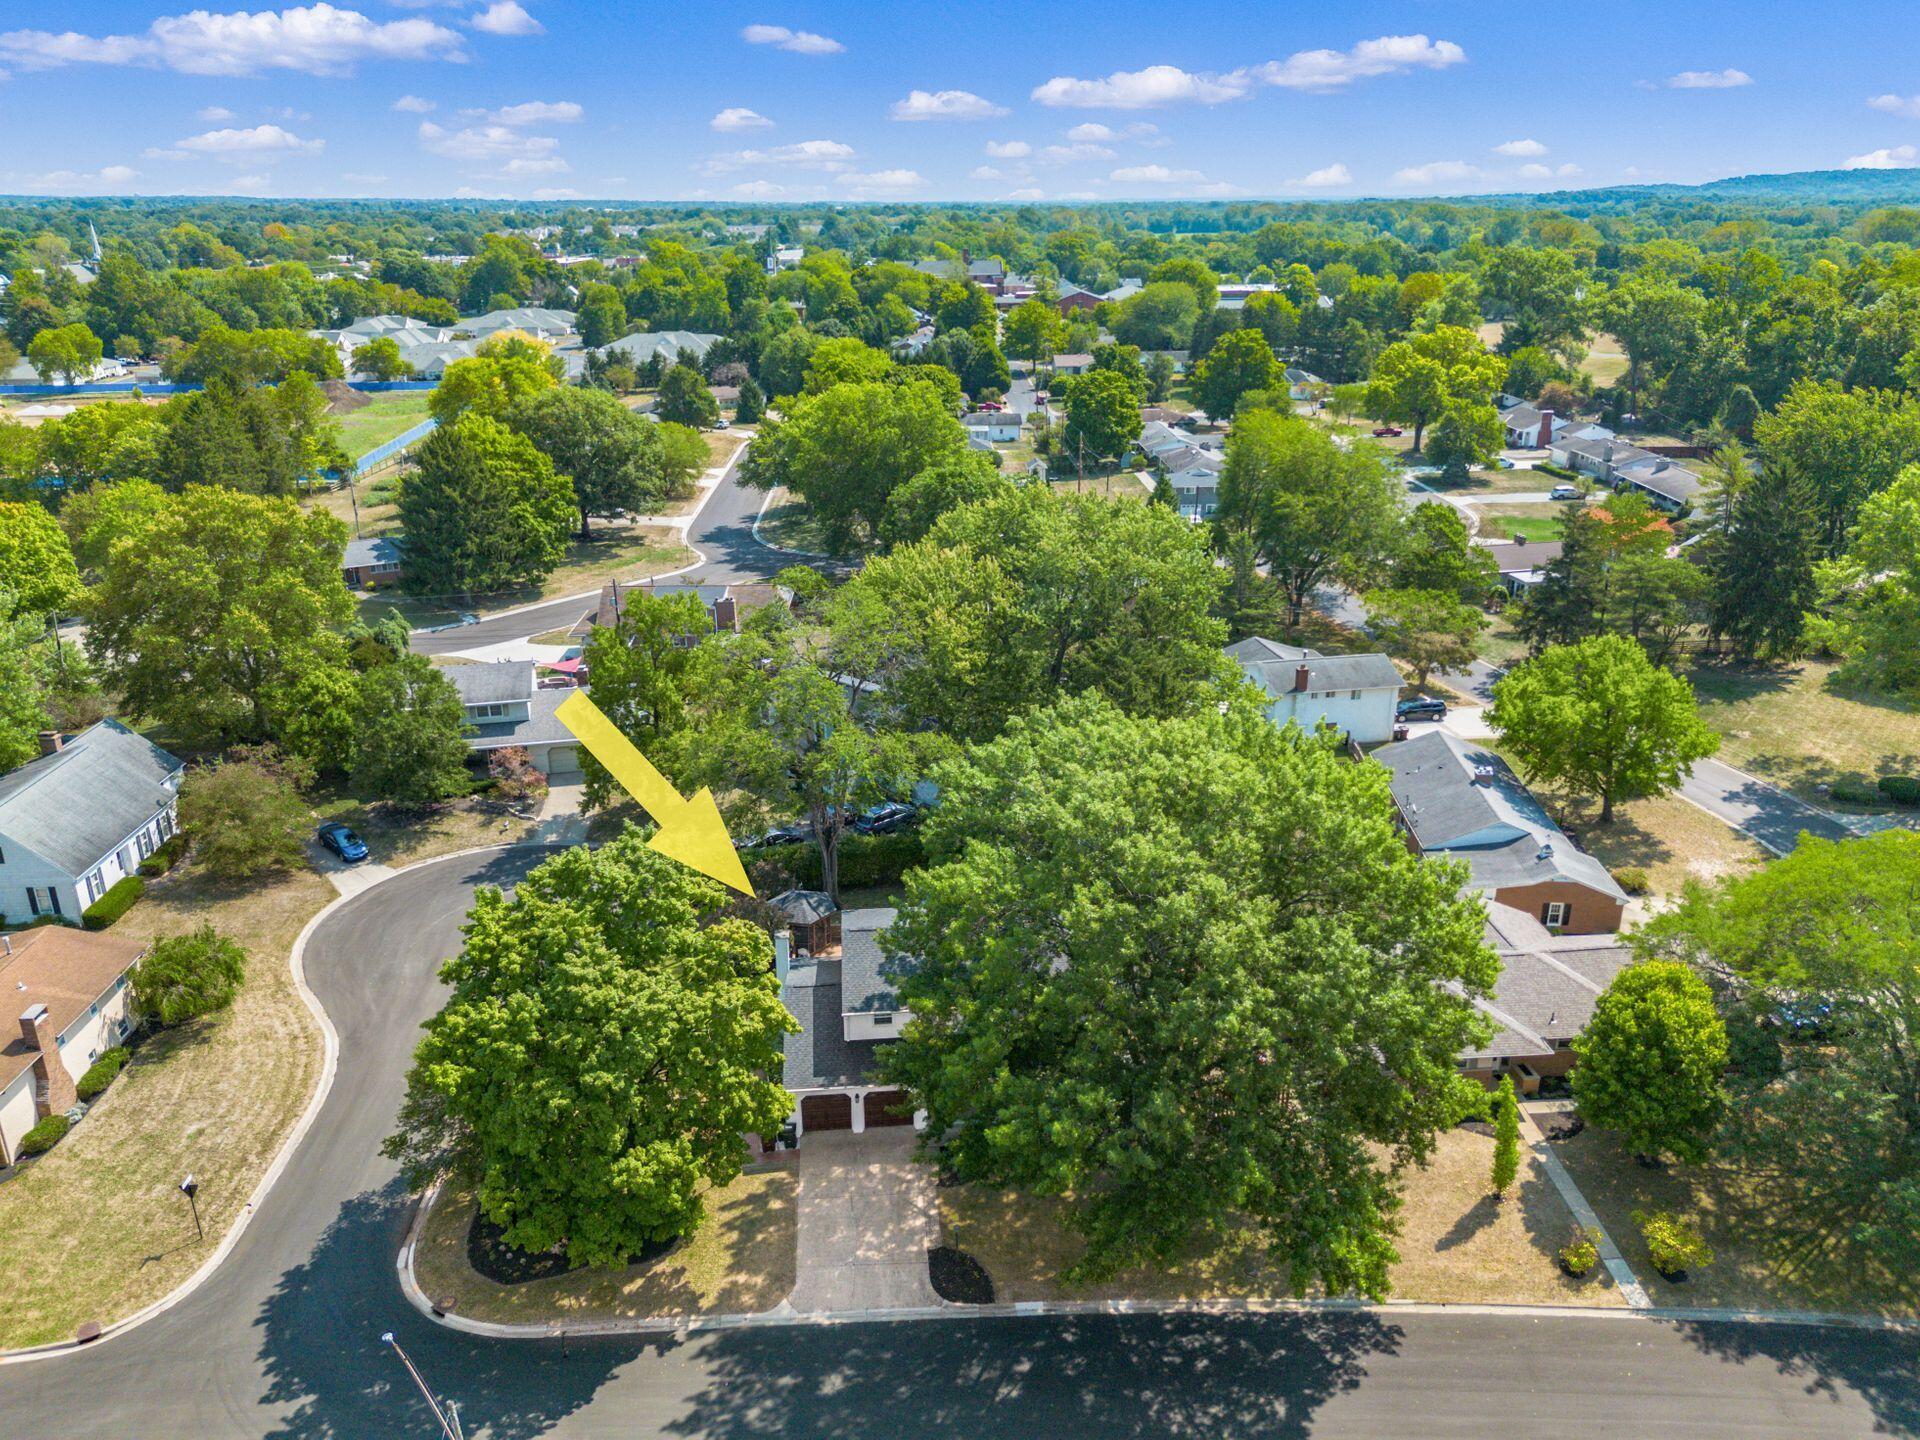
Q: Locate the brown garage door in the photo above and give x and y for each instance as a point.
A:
(889, 1107)
(826, 1112)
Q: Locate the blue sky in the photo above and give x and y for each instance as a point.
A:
(551, 99)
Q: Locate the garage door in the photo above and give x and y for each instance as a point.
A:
(826, 1112)
(563, 764)
(888, 1107)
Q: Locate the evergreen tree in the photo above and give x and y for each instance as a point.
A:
(1506, 1137)
(483, 511)
(1761, 567)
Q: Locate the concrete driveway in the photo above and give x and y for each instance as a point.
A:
(867, 1218)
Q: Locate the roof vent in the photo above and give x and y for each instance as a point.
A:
(1483, 774)
(1545, 852)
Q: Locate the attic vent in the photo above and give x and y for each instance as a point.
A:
(1483, 774)
(1545, 853)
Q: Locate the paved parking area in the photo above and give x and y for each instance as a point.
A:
(867, 1219)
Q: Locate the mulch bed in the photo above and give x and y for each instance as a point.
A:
(958, 1277)
(492, 1257)
(1477, 1127)
(1563, 1126)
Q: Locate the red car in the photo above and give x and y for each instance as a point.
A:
(1381, 432)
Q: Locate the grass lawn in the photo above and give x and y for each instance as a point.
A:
(398, 838)
(722, 443)
(1500, 643)
(740, 1262)
(1531, 522)
(1125, 484)
(1731, 1214)
(1790, 726)
(1488, 482)
(1672, 841)
(1606, 360)
(1456, 1243)
(377, 516)
(380, 419)
(163, 1118)
(788, 524)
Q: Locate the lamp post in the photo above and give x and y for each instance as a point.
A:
(190, 1187)
(449, 1414)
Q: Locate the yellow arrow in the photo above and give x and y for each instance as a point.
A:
(691, 831)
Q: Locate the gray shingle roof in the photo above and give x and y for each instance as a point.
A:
(820, 1057)
(1546, 995)
(867, 974)
(804, 907)
(492, 683)
(539, 728)
(381, 550)
(73, 806)
(1273, 667)
(661, 344)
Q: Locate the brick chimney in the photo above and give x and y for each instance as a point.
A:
(51, 742)
(49, 1070)
(1302, 677)
(726, 614)
(1546, 428)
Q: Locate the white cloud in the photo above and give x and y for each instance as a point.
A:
(1897, 157)
(1155, 175)
(828, 155)
(555, 192)
(1092, 130)
(1906, 105)
(243, 147)
(1568, 170)
(215, 115)
(500, 148)
(1728, 79)
(1009, 149)
(107, 177)
(1028, 193)
(414, 105)
(1535, 171)
(800, 42)
(507, 17)
(1436, 172)
(534, 112)
(758, 189)
(1142, 89)
(1323, 70)
(884, 181)
(986, 172)
(945, 105)
(1067, 154)
(736, 118)
(246, 185)
(1327, 177)
(319, 39)
(1521, 149)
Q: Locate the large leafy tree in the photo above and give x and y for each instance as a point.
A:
(1760, 556)
(209, 602)
(1415, 380)
(1538, 291)
(1827, 1125)
(1317, 512)
(1439, 554)
(1238, 363)
(1033, 331)
(614, 457)
(1103, 420)
(685, 398)
(1602, 720)
(608, 1041)
(646, 677)
(69, 351)
(483, 511)
(1651, 1061)
(1656, 322)
(846, 449)
(913, 509)
(1184, 974)
(36, 562)
(1844, 445)
(1873, 593)
(1013, 602)
(409, 734)
(1428, 629)
(507, 369)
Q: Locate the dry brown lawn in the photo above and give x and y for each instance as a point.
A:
(1671, 840)
(405, 838)
(740, 1261)
(164, 1117)
(1606, 360)
(1457, 1244)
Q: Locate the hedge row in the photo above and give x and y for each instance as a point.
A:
(1559, 472)
(44, 1136)
(864, 860)
(115, 903)
(101, 1073)
(165, 858)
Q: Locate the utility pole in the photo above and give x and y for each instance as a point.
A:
(449, 1414)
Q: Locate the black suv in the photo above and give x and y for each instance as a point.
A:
(1423, 707)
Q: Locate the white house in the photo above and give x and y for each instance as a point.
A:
(1355, 694)
(505, 708)
(67, 990)
(82, 817)
(996, 427)
(847, 1007)
(1194, 474)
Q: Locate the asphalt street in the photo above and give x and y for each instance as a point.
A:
(283, 1341)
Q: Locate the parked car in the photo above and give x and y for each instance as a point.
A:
(986, 406)
(885, 818)
(723, 423)
(792, 834)
(1422, 707)
(1382, 432)
(341, 841)
(1564, 491)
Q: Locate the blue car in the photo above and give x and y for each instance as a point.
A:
(342, 841)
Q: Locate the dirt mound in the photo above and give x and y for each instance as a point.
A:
(342, 398)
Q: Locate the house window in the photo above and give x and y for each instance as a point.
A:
(1556, 913)
(1354, 696)
(143, 842)
(883, 1019)
(33, 900)
(96, 887)
(487, 712)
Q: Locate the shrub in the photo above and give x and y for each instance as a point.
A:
(1506, 1137)
(165, 858)
(44, 1136)
(1901, 789)
(1579, 1255)
(512, 775)
(1673, 1245)
(1852, 792)
(101, 1073)
(864, 860)
(1633, 880)
(115, 903)
(245, 817)
(186, 976)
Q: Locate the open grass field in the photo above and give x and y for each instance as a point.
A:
(739, 1262)
(1606, 360)
(380, 419)
(216, 1097)
(1457, 1243)
(1791, 726)
(1530, 522)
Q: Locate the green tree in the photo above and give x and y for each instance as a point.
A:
(380, 359)
(1415, 380)
(185, 977)
(1103, 420)
(645, 677)
(1538, 291)
(1157, 317)
(1506, 1138)
(685, 399)
(602, 317)
(209, 602)
(1428, 629)
(1657, 322)
(490, 382)
(1871, 594)
(1264, 1036)
(409, 732)
(1439, 554)
(1160, 377)
(608, 1041)
(913, 509)
(69, 351)
(1599, 718)
(36, 562)
(1251, 604)
(1465, 437)
(751, 405)
(613, 456)
(244, 817)
(845, 362)
(1844, 445)
(483, 511)
(1823, 938)
(1318, 512)
(1651, 1061)
(1033, 331)
(1238, 363)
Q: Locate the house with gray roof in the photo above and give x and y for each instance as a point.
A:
(81, 817)
(662, 345)
(369, 564)
(1545, 996)
(848, 1006)
(1522, 563)
(504, 707)
(1460, 801)
(1355, 694)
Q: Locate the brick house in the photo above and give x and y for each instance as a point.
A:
(1543, 999)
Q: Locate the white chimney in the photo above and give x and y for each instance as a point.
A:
(783, 955)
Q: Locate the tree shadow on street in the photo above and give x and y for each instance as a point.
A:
(1881, 1367)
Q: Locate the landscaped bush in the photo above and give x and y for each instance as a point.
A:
(165, 858)
(101, 1073)
(1673, 1245)
(115, 903)
(187, 976)
(1579, 1255)
(44, 1136)
(1559, 472)
(1901, 789)
(1852, 792)
(1633, 880)
(864, 860)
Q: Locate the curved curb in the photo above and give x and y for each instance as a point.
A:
(330, 1065)
(765, 544)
